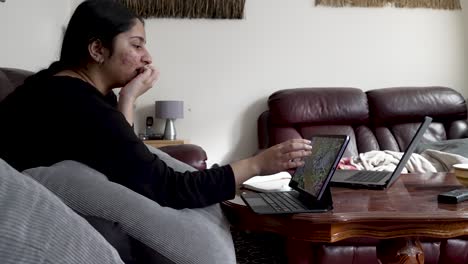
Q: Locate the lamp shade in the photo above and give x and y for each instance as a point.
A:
(169, 109)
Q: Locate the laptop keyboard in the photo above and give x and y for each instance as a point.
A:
(282, 201)
(368, 176)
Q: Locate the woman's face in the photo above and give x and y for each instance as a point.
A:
(129, 56)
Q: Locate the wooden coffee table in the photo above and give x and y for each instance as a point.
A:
(397, 216)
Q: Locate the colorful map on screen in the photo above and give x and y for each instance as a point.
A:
(313, 174)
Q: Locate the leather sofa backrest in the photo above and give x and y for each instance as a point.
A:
(397, 112)
(10, 79)
(375, 120)
(301, 113)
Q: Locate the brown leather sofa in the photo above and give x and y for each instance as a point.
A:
(380, 119)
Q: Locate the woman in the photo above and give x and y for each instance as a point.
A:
(75, 115)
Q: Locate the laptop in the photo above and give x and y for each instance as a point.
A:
(379, 180)
(310, 183)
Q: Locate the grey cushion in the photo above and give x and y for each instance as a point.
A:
(454, 146)
(170, 161)
(181, 236)
(37, 227)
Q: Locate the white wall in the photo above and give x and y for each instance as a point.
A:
(31, 32)
(224, 70)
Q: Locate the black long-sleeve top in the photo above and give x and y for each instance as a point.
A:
(51, 119)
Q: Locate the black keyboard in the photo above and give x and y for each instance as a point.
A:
(283, 201)
(368, 176)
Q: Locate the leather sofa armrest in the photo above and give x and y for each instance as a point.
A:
(262, 130)
(191, 154)
(458, 129)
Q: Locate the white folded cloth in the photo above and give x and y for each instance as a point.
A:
(277, 182)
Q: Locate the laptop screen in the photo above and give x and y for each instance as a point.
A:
(410, 149)
(313, 177)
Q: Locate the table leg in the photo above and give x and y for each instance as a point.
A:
(400, 250)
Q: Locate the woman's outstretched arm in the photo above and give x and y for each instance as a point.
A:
(281, 157)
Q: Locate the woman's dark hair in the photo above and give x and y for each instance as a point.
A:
(92, 20)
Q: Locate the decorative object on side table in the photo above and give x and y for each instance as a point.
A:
(149, 133)
(149, 125)
(169, 110)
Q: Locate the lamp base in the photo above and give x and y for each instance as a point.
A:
(169, 130)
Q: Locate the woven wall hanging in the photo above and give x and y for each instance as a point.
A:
(435, 4)
(213, 9)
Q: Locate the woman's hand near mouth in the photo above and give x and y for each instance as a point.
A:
(143, 81)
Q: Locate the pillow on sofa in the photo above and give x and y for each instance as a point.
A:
(170, 161)
(37, 227)
(454, 146)
(444, 154)
(181, 236)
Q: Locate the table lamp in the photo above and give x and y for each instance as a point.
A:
(169, 110)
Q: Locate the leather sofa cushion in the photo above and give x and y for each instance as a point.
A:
(337, 106)
(411, 104)
(304, 112)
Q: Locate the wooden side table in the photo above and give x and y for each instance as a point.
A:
(163, 142)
